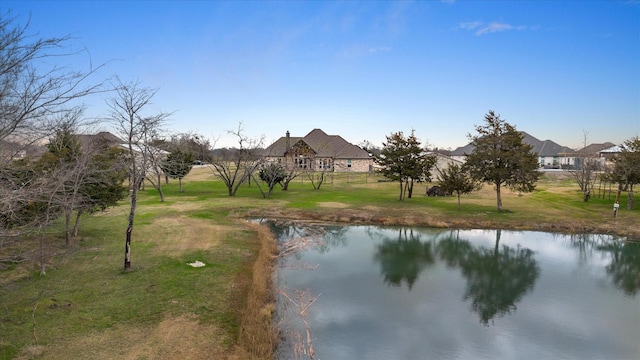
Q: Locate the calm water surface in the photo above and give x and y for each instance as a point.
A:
(402, 293)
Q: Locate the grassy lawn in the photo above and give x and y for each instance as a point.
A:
(87, 307)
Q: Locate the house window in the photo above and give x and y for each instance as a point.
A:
(349, 163)
(302, 162)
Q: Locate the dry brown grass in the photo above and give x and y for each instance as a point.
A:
(201, 173)
(333, 205)
(258, 337)
(177, 234)
(173, 338)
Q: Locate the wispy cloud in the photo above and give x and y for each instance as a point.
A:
(373, 50)
(494, 27)
(481, 28)
(469, 25)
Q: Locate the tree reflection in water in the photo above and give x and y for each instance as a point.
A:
(403, 258)
(497, 278)
(624, 266)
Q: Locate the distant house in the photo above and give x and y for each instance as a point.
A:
(460, 154)
(550, 154)
(100, 140)
(593, 151)
(318, 151)
(153, 156)
(443, 162)
(10, 150)
(610, 152)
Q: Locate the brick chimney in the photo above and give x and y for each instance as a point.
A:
(288, 143)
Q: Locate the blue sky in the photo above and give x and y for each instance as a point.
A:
(362, 70)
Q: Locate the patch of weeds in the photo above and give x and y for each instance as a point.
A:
(202, 215)
(7, 351)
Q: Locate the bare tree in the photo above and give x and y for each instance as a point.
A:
(127, 113)
(292, 172)
(587, 167)
(191, 143)
(102, 179)
(154, 156)
(316, 178)
(238, 168)
(66, 165)
(31, 97)
(271, 173)
(37, 95)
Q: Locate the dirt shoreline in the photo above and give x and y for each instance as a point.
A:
(388, 217)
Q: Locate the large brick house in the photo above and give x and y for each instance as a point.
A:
(318, 151)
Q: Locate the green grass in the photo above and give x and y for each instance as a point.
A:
(85, 290)
(93, 293)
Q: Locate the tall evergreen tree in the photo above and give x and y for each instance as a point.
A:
(393, 159)
(403, 159)
(500, 157)
(626, 171)
(177, 165)
(456, 179)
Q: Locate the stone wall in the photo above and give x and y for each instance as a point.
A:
(340, 165)
(357, 165)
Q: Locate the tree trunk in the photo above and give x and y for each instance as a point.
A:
(67, 226)
(132, 215)
(410, 193)
(401, 189)
(42, 260)
(458, 200)
(630, 199)
(127, 248)
(76, 226)
(160, 188)
(498, 197)
(180, 184)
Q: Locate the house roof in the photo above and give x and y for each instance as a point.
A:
(594, 149)
(330, 146)
(546, 147)
(462, 151)
(542, 148)
(279, 147)
(612, 150)
(103, 137)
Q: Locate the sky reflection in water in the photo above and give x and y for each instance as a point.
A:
(402, 293)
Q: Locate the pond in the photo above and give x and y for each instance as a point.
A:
(368, 292)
